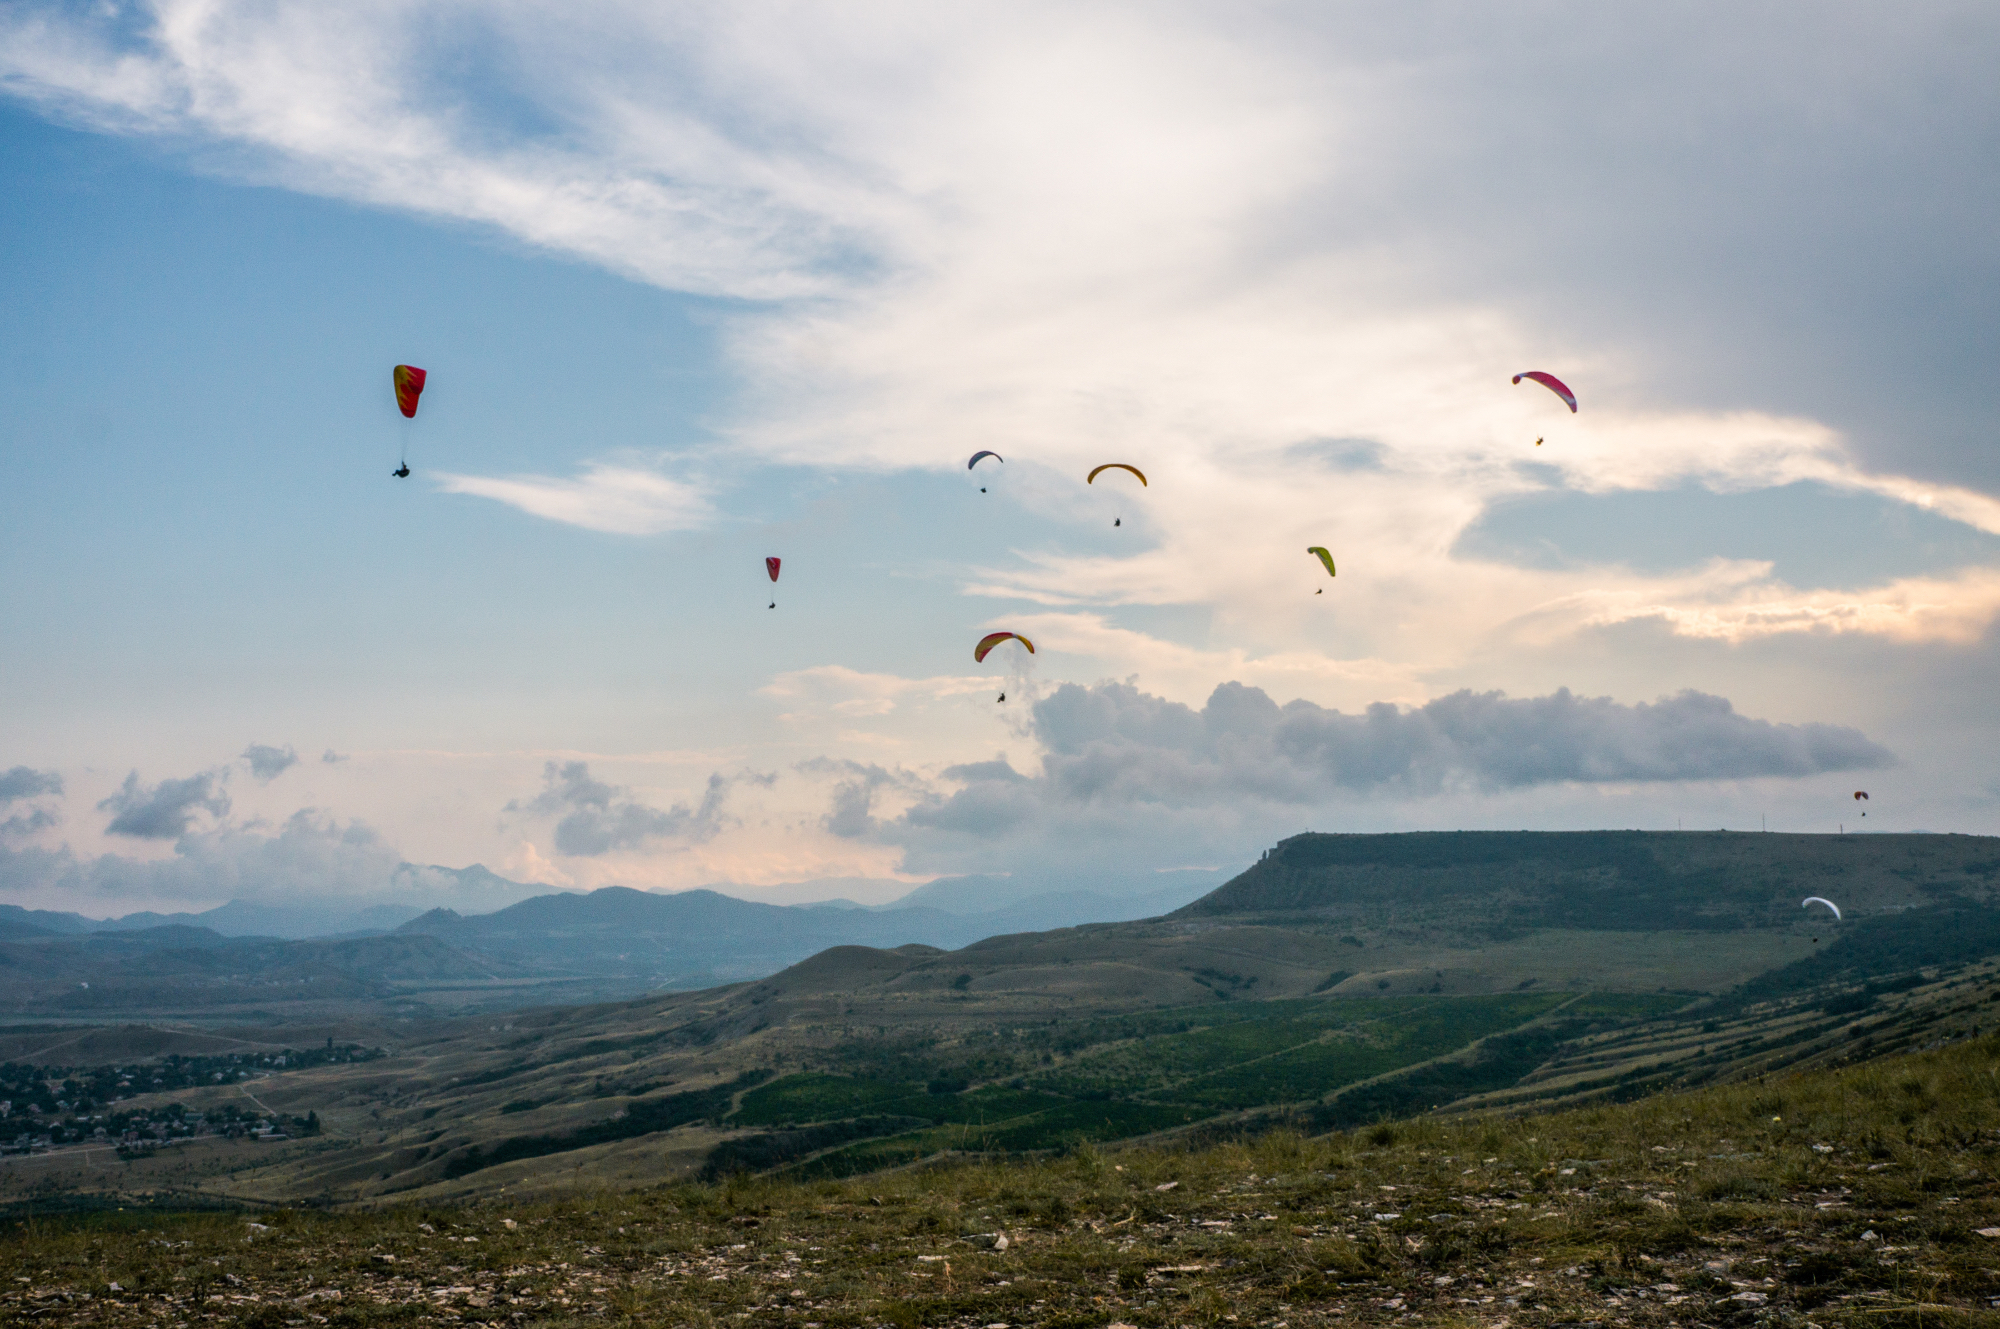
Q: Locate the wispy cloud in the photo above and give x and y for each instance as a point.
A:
(1127, 231)
(615, 499)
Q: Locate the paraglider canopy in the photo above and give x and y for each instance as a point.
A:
(1812, 900)
(1861, 795)
(1553, 384)
(409, 386)
(1116, 466)
(1324, 557)
(992, 639)
(984, 453)
(771, 566)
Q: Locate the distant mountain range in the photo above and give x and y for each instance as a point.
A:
(1001, 904)
(701, 937)
(562, 946)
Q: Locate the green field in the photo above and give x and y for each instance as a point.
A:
(1138, 1075)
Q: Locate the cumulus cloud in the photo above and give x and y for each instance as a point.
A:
(597, 818)
(313, 866)
(332, 758)
(167, 810)
(1116, 756)
(852, 814)
(22, 782)
(268, 763)
(312, 857)
(23, 824)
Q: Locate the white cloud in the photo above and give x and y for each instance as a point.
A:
(1176, 235)
(1285, 259)
(1125, 772)
(615, 499)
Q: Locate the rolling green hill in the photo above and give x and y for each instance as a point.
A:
(1341, 980)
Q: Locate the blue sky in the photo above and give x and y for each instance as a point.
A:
(698, 287)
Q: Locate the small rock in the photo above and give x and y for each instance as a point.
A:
(1869, 1235)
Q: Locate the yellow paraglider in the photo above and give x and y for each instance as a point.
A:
(1324, 557)
(1116, 466)
(1091, 479)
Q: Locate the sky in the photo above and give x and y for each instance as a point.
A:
(702, 284)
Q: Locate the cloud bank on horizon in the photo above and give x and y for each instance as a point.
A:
(1123, 773)
(1291, 260)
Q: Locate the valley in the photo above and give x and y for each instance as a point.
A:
(1338, 982)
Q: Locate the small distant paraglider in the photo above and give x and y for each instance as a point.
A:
(1812, 900)
(409, 381)
(1861, 796)
(771, 566)
(984, 452)
(1553, 384)
(1091, 479)
(1325, 558)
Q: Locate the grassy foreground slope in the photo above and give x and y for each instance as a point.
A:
(1858, 1196)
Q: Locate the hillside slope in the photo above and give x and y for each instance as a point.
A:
(1626, 881)
(1407, 993)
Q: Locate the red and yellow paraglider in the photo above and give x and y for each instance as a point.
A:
(409, 386)
(409, 383)
(992, 639)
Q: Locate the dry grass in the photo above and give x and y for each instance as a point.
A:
(1848, 1196)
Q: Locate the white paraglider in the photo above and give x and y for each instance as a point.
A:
(1811, 900)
